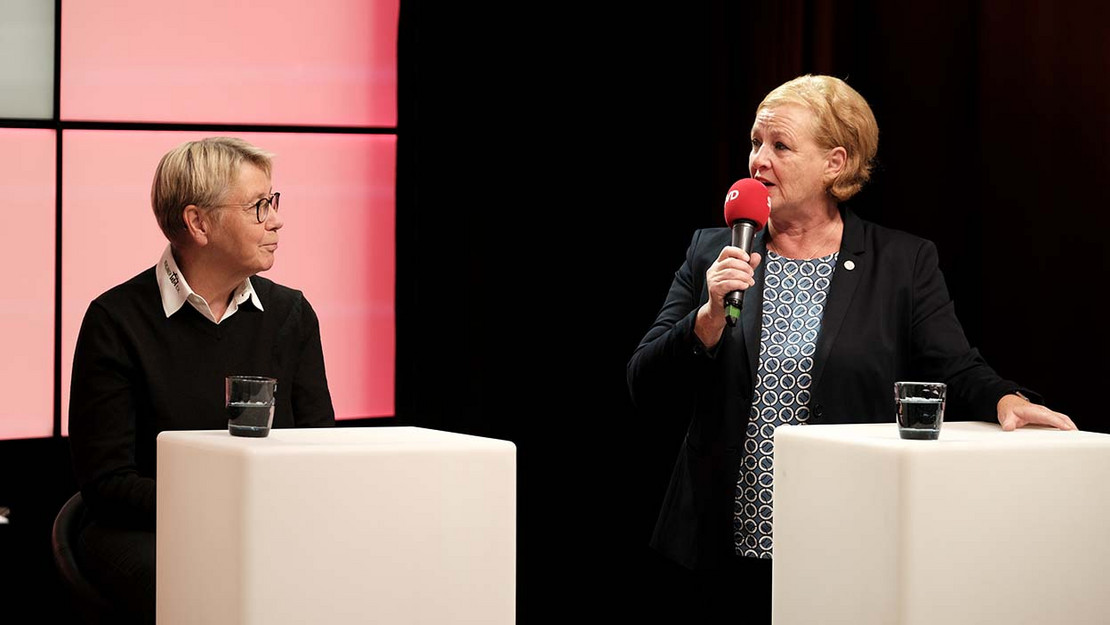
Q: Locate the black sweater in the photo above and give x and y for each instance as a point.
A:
(137, 373)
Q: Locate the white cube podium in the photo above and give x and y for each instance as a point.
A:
(397, 525)
(979, 527)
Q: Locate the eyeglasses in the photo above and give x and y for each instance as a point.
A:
(261, 207)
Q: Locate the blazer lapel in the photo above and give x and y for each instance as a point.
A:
(845, 279)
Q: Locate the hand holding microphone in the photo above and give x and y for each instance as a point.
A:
(747, 207)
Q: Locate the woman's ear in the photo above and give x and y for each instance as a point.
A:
(835, 162)
(197, 224)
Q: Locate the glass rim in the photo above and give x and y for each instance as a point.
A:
(250, 378)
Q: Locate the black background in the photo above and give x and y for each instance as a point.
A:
(553, 161)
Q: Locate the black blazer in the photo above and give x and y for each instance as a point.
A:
(888, 317)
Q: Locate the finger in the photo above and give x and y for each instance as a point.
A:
(1060, 421)
(728, 286)
(1041, 415)
(1009, 422)
(729, 272)
(735, 264)
(731, 251)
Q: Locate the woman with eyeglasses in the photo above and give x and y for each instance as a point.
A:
(153, 352)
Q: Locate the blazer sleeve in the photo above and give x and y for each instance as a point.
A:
(940, 349)
(668, 366)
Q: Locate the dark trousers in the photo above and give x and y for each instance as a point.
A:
(737, 593)
(121, 562)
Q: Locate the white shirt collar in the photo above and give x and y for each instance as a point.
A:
(175, 291)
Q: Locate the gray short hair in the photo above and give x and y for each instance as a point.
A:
(201, 173)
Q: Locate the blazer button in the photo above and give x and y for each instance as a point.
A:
(818, 411)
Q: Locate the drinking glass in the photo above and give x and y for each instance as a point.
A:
(250, 405)
(920, 409)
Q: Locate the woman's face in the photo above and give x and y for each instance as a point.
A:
(786, 159)
(241, 244)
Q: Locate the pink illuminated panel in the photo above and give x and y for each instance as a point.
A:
(326, 62)
(27, 160)
(337, 245)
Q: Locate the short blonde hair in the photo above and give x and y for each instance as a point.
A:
(844, 119)
(200, 173)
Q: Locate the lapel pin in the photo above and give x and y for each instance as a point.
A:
(849, 265)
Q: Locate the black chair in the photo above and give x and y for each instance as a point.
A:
(89, 601)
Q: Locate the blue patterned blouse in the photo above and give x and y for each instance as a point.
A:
(794, 293)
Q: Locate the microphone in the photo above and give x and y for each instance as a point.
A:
(747, 207)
